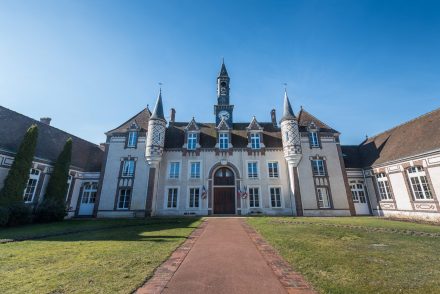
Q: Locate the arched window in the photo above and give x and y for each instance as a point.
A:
(224, 177)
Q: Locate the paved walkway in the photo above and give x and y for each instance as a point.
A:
(225, 256)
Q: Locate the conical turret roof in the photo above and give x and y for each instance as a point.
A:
(158, 109)
(223, 71)
(287, 110)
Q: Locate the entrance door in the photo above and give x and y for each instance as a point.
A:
(88, 198)
(359, 197)
(224, 200)
(224, 191)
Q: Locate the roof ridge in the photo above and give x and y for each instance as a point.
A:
(43, 124)
(303, 110)
(401, 124)
(131, 118)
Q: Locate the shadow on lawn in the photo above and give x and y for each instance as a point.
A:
(150, 231)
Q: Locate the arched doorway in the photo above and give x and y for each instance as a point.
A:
(224, 191)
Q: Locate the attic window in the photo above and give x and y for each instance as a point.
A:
(314, 140)
(192, 141)
(132, 139)
(255, 141)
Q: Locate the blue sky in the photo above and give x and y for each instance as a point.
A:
(360, 66)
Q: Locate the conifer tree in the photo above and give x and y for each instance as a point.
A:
(18, 175)
(13, 211)
(53, 206)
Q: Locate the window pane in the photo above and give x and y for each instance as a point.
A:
(174, 170)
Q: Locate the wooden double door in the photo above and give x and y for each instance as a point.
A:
(224, 200)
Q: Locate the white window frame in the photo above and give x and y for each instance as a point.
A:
(273, 175)
(191, 143)
(174, 176)
(281, 196)
(166, 197)
(320, 169)
(69, 184)
(314, 139)
(384, 187)
(255, 141)
(198, 198)
(255, 175)
(250, 195)
(190, 174)
(34, 177)
(358, 191)
(132, 139)
(326, 204)
(223, 141)
(128, 166)
(125, 198)
(417, 178)
(89, 188)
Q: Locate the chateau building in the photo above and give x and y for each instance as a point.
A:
(295, 166)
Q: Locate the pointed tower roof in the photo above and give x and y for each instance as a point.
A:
(192, 126)
(223, 71)
(158, 109)
(254, 125)
(287, 110)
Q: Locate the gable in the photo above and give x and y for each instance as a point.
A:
(140, 120)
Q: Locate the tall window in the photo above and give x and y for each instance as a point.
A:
(128, 168)
(384, 187)
(358, 192)
(172, 198)
(31, 186)
(195, 170)
(275, 196)
(253, 170)
(323, 197)
(132, 139)
(174, 170)
(273, 169)
(194, 197)
(419, 183)
(254, 197)
(255, 141)
(192, 141)
(313, 137)
(224, 141)
(89, 193)
(69, 183)
(318, 167)
(124, 198)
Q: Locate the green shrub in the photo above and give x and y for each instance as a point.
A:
(4, 216)
(19, 214)
(50, 210)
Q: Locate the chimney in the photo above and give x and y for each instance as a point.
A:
(45, 120)
(273, 117)
(172, 116)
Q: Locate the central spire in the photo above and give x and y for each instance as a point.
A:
(223, 71)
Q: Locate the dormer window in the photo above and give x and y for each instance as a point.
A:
(223, 140)
(313, 137)
(192, 141)
(132, 139)
(255, 141)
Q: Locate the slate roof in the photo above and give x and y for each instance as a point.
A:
(416, 136)
(141, 120)
(351, 156)
(305, 118)
(175, 134)
(85, 155)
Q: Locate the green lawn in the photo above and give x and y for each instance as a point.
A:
(109, 256)
(374, 256)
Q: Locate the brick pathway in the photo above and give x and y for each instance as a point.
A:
(225, 255)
